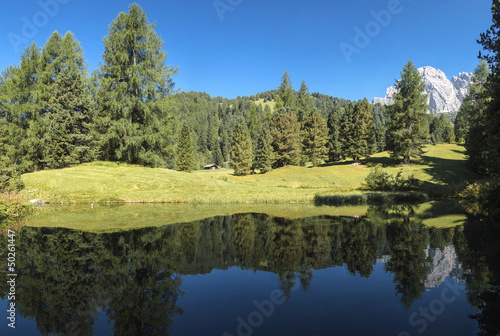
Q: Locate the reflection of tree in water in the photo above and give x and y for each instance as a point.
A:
(409, 239)
(139, 290)
(244, 238)
(478, 249)
(57, 282)
(68, 276)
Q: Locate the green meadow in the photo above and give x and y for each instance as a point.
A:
(441, 169)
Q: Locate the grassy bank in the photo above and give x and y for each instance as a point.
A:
(441, 169)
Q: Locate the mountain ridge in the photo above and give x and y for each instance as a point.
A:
(445, 95)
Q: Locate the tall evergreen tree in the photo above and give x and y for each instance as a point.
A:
(217, 157)
(334, 134)
(134, 78)
(304, 103)
(408, 130)
(285, 97)
(490, 125)
(471, 125)
(315, 138)
(241, 151)
(380, 122)
(285, 131)
(19, 110)
(359, 141)
(265, 152)
(185, 151)
(65, 97)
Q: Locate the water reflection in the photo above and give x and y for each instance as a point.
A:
(66, 277)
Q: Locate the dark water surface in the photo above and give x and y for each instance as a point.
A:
(383, 272)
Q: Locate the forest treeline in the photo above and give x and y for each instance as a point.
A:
(55, 114)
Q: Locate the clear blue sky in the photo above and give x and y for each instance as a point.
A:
(245, 50)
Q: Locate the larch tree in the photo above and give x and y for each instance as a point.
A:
(408, 130)
(241, 151)
(315, 138)
(134, 78)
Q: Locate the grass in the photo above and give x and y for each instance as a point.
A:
(441, 167)
(269, 103)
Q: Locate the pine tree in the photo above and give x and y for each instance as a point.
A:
(241, 151)
(134, 78)
(408, 130)
(334, 135)
(185, 152)
(265, 152)
(286, 94)
(285, 131)
(315, 138)
(304, 103)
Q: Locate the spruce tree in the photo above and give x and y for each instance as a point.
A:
(304, 103)
(20, 110)
(470, 124)
(185, 152)
(217, 157)
(285, 131)
(134, 78)
(315, 138)
(361, 131)
(65, 96)
(285, 97)
(265, 152)
(347, 139)
(334, 134)
(407, 129)
(490, 122)
(241, 151)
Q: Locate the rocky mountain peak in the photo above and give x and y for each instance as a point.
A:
(444, 95)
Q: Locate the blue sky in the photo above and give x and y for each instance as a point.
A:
(244, 46)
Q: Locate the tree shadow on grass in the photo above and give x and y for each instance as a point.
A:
(446, 174)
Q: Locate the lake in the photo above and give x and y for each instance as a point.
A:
(254, 270)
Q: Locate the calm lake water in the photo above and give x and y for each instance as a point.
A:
(369, 271)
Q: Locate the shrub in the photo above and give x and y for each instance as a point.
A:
(382, 181)
(13, 206)
(378, 180)
(10, 181)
